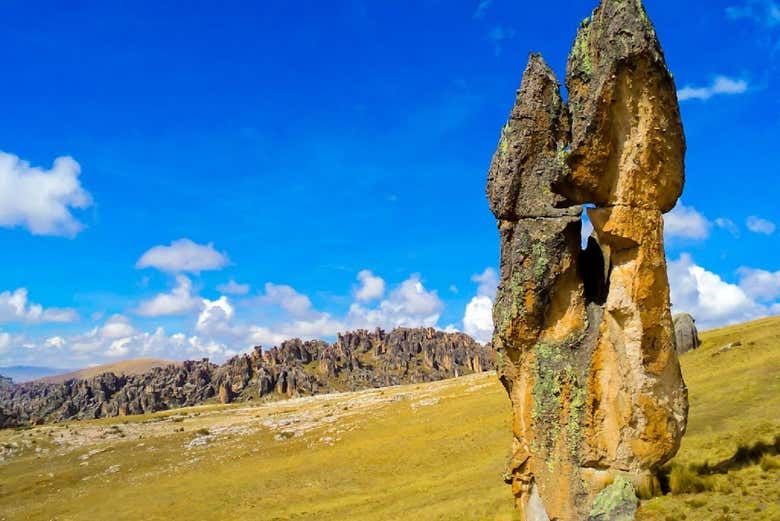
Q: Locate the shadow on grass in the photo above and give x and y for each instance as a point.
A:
(743, 457)
(691, 479)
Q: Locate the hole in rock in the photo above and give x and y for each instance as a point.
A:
(592, 263)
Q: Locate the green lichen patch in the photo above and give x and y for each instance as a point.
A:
(559, 396)
(541, 261)
(503, 142)
(580, 53)
(617, 502)
(576, 407)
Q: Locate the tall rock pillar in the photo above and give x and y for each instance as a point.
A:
(584, 337)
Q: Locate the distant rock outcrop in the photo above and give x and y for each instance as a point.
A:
(686, 336)
(584, 338)
(357, 360)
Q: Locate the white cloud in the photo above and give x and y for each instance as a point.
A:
(498, 35)
(41, 200)
(5, 342)
(178, 302)
(481, 9)
(217, 324)
(408, 305)
(371, 287)
(56, 342)
(297, 304)
(720, 85)
(119, 347)
(763, 12)
(14, 307)
(728, 225)
(759, 225)
(233, 288)
(117, 326)
(711, 300)
(685, 222)
(761, 285)
(215, 316)
(453, 289)
(478, 319)
(183, 255)
(487, 283)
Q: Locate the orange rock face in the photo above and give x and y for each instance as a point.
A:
(585, 337)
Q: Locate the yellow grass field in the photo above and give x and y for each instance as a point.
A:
(417, 452)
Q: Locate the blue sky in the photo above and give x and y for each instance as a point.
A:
(329, 158)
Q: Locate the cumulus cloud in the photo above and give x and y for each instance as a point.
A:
(487, 283)
(217, 324)
(5, 342)
(55, 341)
(117, 326)
(763, 12)
(15, 307)
(215, 315)
(233, 288)
(286, 297)
(178, 302)
(760, 284)
(720, 85)
(41, 200)
(710, 299)
(759, 225)
(685, 222)
(408, 305)
(183, 255)
(371, 287)
(728, 225)
(478, 317)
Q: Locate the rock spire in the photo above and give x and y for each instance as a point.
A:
(584, 337)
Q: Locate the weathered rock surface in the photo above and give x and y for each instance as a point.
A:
(686, 336)
(357, 360)
(584, 338)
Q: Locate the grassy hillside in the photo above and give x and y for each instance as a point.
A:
(135, 366)
(427, 452)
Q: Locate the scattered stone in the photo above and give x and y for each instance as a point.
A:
(425, 403)
(726, 348)
(199, 441)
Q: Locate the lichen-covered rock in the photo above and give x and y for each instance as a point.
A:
(617, 502)
(627, 142)
(686, 336)
(584, 338)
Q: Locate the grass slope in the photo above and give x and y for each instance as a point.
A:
(134, 366)
(428, 452)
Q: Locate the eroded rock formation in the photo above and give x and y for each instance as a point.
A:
(686, 336)
(357, 360)
(584, 337)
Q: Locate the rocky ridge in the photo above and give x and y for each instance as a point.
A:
(356, 360)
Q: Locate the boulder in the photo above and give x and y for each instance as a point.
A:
(686, 336)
